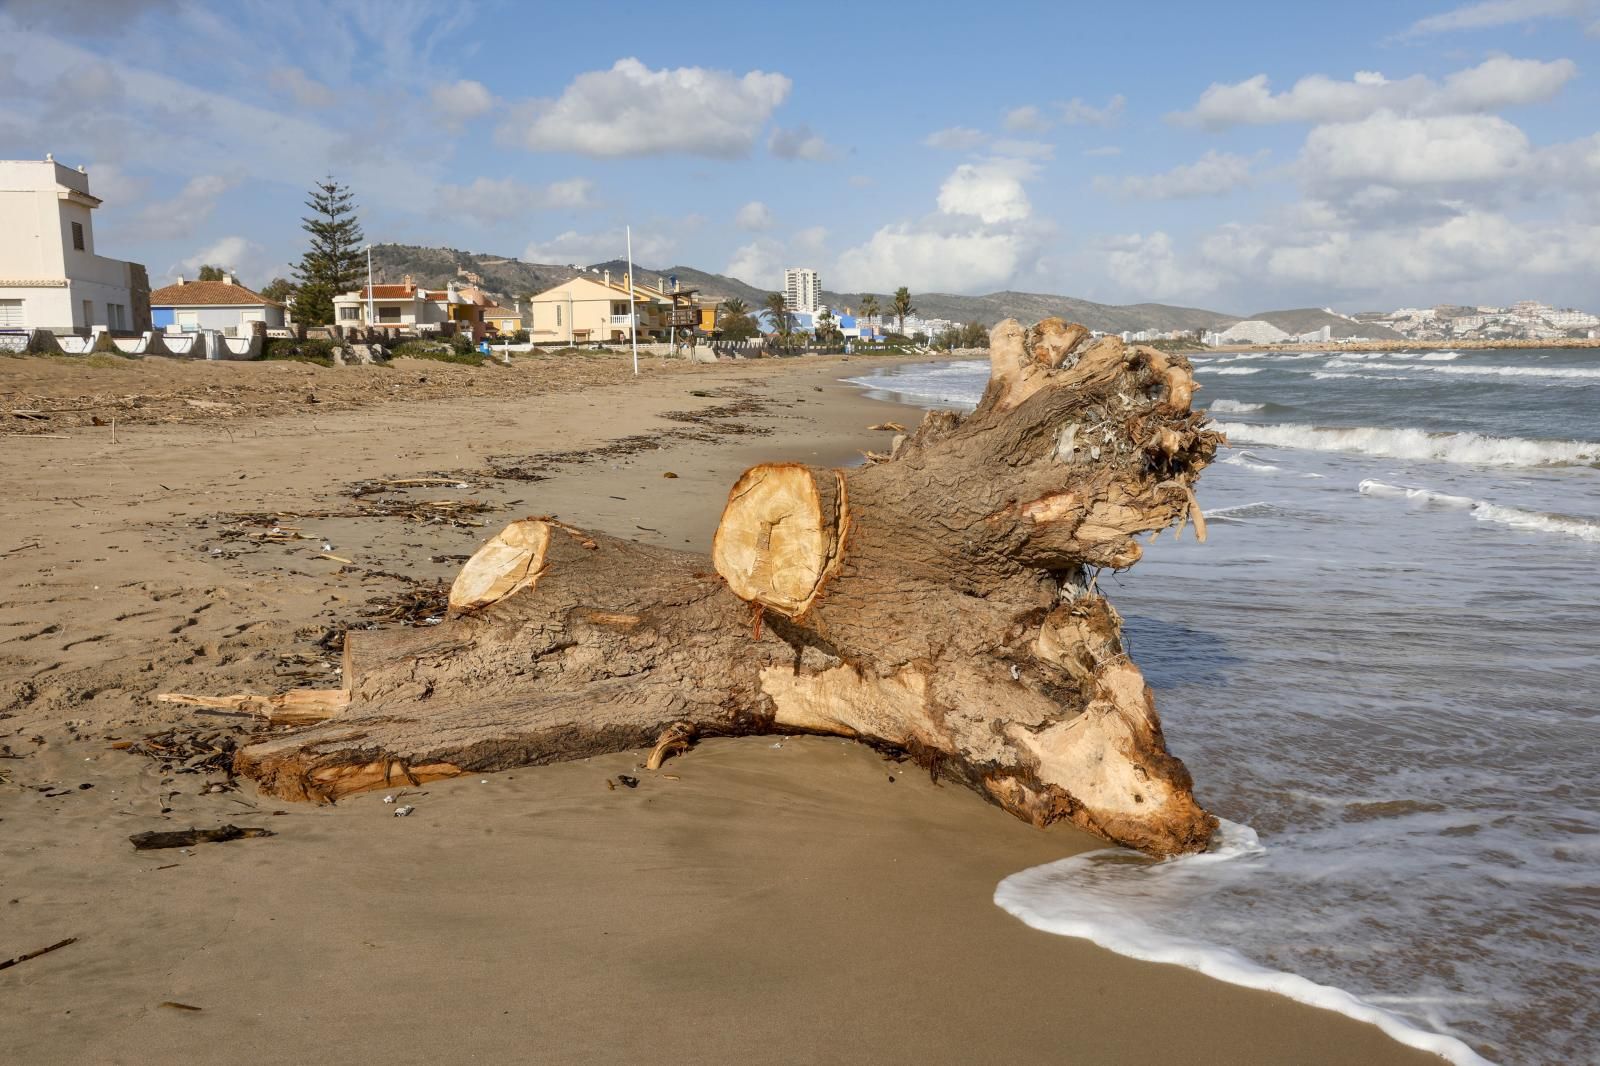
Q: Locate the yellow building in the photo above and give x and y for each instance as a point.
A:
(594, 308)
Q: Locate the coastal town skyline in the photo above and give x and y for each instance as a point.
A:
(1253, 178)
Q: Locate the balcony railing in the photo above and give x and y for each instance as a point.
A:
(622, 320)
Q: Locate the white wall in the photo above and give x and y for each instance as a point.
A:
(39, 201)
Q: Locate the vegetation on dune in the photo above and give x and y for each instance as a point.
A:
(457, 350)
(315, 351)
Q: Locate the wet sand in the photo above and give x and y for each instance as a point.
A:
(754, 901)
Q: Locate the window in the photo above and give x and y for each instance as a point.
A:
(11, 313)
(558, 314)
(189, 321)
(116, 316)
(77, 235)
(349, 314)
(88, 312)
(388, 314)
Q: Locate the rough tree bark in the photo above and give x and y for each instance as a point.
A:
(941, 602)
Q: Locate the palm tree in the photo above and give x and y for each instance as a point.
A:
(869, 307)
(779, 307)
(901, 307)
(734, 306)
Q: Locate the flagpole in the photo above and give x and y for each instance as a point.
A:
(633, 310)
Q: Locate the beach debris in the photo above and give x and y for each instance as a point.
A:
(885, 604)
(388, 799)
(299, 706)
(889, 427)
(403, 811)
(170, 1004)
(631, 782)
(669, 474)
(181, 838)
(8, 963)
(675, 738)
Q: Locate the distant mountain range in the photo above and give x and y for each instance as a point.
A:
(435, 267)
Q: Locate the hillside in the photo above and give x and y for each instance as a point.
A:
(434, 267)
(1305, 319)
(989, 309)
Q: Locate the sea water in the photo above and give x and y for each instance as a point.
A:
(1383, 670)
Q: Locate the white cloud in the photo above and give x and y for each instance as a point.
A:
(799, 143)
(809, 241)
(1148, 266)
(459, 102)
(1213, 174)
(234, 254)
(1104, 151)
(585, 248)
(1493, 13)
(306, 91)
(1394, 150)
(631, 110)
(1076, 112)
(932, 259)
(759, 263)
(180, 216)
(982, 236)
(1027, 119)
(1474, 248)
(493, 200)
(955, 139)
(1499, 81)
(754, 215)
(991, 191)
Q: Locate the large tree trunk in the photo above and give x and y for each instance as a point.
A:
(941, 602)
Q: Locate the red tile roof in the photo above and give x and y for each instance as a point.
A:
(390, 292)
(208, 294)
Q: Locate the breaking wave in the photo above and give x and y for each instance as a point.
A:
(1227, 370)
(1098, 897)
(1471, 448)
(1234, 407)
(1578, 373)
(1484, 511)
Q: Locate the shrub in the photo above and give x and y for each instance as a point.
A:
(462, 344)
(439, 351)
(315, 351)
(520, 337)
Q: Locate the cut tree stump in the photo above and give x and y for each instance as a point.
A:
(940, 602)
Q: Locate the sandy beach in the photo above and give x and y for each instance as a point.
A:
(801, 900)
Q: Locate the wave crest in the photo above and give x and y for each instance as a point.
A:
(1469, 448)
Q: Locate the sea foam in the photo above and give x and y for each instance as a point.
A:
(1234, 407)
(1484, 511)
(1472, 448)
(1097, 897)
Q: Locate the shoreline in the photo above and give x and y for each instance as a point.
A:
(819, 905)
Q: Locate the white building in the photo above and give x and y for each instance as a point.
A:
(191, 306)
(50, 276)
(802, 289)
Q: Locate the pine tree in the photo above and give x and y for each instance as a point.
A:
(332, 264)
(210, 273)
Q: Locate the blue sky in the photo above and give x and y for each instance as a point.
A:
(1232, 156)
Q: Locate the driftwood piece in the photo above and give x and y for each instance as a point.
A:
(941, 602)
(8, 963)
(183, 838)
